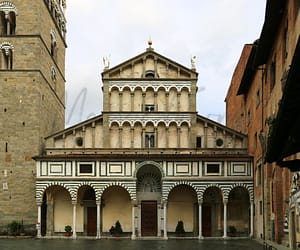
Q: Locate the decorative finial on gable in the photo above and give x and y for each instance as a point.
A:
(193, 63)
(150, 44)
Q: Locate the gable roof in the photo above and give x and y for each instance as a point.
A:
(77, 126)
(149, 53)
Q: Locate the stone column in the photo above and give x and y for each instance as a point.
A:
(178, 137)
(139, 220)
(178, 102)
(120, 137)
(74, 219)
(7, 24)
(165, 221)
(200, 220)
(39, 219)
(98, 219)
(133, 236)
(251, 218)
(132, 101)
(158, 220)
(120, 101)
(225, 219)
(132, 137)
(143, 101)
(155, 101)
(167, 101)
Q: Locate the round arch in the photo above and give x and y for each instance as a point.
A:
(156, 164)
(116, 204)
(238, 215)
(183, 206)
(212, 211)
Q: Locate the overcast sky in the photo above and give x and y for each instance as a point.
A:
(214, 31)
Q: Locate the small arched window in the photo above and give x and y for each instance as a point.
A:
(6, 56)
(8, 13)
(150, 74)
(53, 49)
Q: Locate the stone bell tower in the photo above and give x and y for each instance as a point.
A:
(32, 92)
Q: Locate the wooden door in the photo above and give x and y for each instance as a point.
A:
(92, 221)
(149, 218)
(206, 221)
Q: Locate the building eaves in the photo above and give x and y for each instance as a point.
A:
(248, 73)
(284, 139)
(273, 17)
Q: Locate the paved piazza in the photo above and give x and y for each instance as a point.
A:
(124, 244)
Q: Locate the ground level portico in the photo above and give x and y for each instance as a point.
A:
(146, 214)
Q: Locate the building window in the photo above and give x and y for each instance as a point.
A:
(213, 168)
(79, 141)
(53, 48)
(8, 13)
(53, 74)
(198, 142)
(249, 116)
(6, 56)
(149, 108)
(86, 168)
(149, 140)
(272, 75)
(219, 142)
(150, 74)
(260, 207)
(285, 43)
(258, 175)
(257, 97)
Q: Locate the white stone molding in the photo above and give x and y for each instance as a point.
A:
(8, 7)
(73, 186)
(155, 118)
(155, 85)
(6, 46)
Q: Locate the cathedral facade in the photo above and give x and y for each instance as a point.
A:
(148, 161)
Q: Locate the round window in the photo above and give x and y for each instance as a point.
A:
(79, 141)
(219, 142)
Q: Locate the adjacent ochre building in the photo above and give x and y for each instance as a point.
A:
(149, 160)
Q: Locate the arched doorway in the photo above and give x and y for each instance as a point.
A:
(239, 211)
(116, 206)
(87, 214)
(183, 205)
(148, 197)
(56, 210)
(212, 213)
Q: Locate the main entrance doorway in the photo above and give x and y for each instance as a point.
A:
(206, 221)
(149, 218)
(91, 221)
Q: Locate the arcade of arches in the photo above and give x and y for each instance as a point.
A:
(92, 211)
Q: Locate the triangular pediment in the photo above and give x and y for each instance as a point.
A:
(150, 65)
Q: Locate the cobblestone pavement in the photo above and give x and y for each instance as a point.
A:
(126, 244)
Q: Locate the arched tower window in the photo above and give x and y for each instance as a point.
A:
(53, 49)
(8, 13)
(6, 56)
